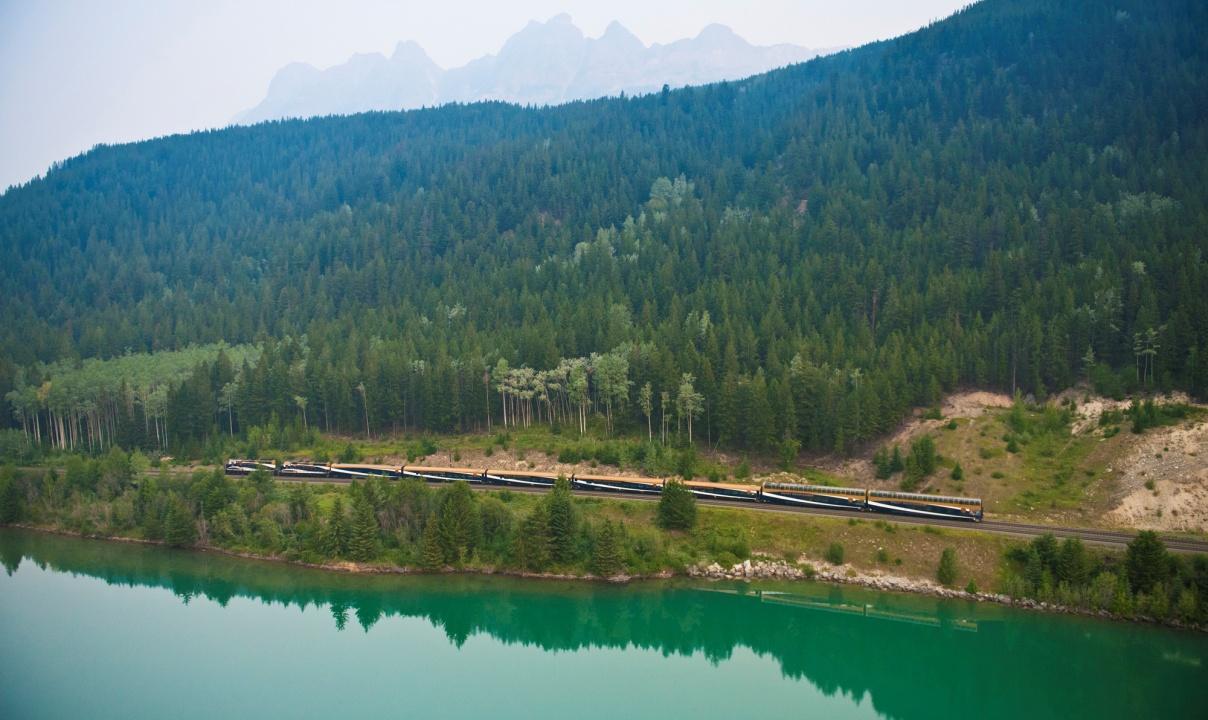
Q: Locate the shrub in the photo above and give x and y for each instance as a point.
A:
(677, 507)
(958, 473)
(686, 463)
(880, 461)
(349, 454)
(727, 541)
(946, 572)
(788, 452)
(608, 455)
(834, 554)
(971, 588)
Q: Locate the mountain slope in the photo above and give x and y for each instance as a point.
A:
(543, 64)
(978, 202)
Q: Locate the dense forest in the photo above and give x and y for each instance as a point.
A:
(1013, 197)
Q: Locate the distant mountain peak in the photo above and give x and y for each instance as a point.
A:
(544, 63)
(617, 34)
(615, 27)
(408, 49)
(717, 30)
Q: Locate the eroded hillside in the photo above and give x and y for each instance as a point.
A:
(1076, 460)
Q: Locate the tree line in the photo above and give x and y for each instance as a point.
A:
(407, 523)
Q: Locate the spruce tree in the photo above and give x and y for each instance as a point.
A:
(1072, 565)
(180, 530)
(531, 549)
(606, 556)
(561, 522)
(1147, 561)
(458, 523)
(334, 538)
(677, 507)
(363, 536)
(895, 461)
(881, 462)
(432, 556)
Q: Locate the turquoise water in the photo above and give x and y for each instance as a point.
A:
(105, 630)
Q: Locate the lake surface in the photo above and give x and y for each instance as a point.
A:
(93, 629)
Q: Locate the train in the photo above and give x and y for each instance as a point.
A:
(889, 502)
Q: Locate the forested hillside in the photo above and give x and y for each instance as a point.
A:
(1014, 197)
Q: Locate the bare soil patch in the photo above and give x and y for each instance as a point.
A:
(1162, 483)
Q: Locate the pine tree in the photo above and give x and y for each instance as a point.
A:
(606, 555)
(363, 536)
(958, 473)
(677, 507)
(432, 556)
(561, 522)
(334, 538)
(180, 530)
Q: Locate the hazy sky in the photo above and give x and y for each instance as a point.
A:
(74, 73)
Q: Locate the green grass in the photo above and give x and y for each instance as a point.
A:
(813, 476)
(1051, 459)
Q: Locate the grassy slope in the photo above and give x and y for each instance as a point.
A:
(1066, 475)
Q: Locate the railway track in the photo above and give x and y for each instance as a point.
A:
(1107, 538)
(1095, 536)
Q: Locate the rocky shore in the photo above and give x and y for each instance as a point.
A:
(767, 569)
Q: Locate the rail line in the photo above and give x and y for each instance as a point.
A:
(1107, 538)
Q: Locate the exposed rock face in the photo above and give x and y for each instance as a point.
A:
(543, 64)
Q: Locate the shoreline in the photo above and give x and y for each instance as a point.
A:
(748, 570)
